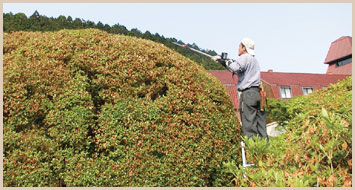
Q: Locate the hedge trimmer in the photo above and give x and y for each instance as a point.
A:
(223, 55)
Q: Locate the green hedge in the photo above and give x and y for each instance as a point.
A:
(88, 108)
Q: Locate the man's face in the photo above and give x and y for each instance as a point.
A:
(241, 49)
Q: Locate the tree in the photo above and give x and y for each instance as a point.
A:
(135, 32)
(147, 35)
(77, 23)
(100, 26)
(35, 15)
(69, 19)
(107, 28)
(119, 29)
(15, 22)
(34, 21)
(89, 24)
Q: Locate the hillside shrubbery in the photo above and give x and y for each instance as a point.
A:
(315, 151)
(88, 108)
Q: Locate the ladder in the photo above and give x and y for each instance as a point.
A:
(245, 164)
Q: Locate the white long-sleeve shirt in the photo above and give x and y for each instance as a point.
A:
(248, 70)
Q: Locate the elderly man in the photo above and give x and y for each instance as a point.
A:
(248, 70)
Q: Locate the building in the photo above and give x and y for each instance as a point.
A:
(339, 57)
(287, 85)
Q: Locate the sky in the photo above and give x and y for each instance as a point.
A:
(289, 37)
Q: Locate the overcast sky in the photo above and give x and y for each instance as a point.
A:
(289, 37)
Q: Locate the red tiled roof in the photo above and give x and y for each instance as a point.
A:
(340, 48)
(296, 90)
(301, 79)
(233, 95)
(225, 76)
(229, 83)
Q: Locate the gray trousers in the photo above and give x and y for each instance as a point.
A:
(253, 120)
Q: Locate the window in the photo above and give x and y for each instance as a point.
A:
(344, 62)
(285, 92)
(307, 90)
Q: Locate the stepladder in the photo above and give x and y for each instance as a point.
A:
(244, 160)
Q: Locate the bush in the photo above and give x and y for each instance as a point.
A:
(277, 110)
(88, 108)
(315, 151)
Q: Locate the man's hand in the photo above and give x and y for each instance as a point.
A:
(216, 57)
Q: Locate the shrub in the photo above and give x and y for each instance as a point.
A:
(88, 108)
(277, 110)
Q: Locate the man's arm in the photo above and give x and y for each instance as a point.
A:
(219, 60)
(233, 66)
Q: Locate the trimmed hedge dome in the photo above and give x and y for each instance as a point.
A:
(88, 108)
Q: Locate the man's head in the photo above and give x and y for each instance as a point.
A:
(246, 46)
